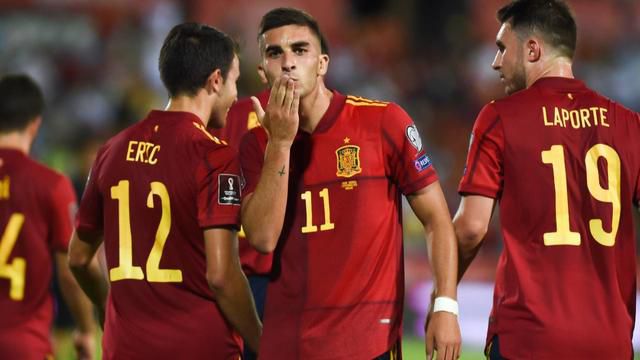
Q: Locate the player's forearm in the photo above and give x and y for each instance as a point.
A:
(469, 239)
(85, 268)
(263, 213)
(236, 302)
(442, 247)
(77, 302)
(93, 283)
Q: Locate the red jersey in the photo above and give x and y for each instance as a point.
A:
(564, 165)
(338, 277)
(153, 188)
(240, 119)
(36, 217)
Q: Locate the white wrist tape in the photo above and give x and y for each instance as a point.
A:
(443, 303)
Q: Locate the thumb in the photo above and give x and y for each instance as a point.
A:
(257, 107)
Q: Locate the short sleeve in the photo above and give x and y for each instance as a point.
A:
(219, 188)
(89, 217)
(251, 160)
(63, 210)
(484, 172)
(636, 194)
(406, 159)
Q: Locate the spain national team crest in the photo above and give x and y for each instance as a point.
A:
(348, 157)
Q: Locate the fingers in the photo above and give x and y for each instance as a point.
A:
(429, 342)
(288, 98)
(281, 90)
(257, 107)
(295, 104)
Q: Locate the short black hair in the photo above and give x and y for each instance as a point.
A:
(190, 53)
(21, 102)
(552, 19)
(284, 16)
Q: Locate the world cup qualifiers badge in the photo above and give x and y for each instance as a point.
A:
(423, 162)
(348, 157)
(229, 189)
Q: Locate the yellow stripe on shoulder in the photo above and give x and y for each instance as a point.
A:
(359, 99)
(360, 103)
(208, 134)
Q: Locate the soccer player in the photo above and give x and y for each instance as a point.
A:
(37, 206)
(240, 119)
(325, 195)
(563, 163)
(165, 195)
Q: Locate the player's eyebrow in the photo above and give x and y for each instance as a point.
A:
(301, 43)
(271, 48)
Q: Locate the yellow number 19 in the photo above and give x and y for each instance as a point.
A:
(563, 235)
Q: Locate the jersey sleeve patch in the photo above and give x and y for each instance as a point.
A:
(229, 189)
(422, 163)
(414, 137)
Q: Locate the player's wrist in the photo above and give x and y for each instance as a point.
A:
(446, 304)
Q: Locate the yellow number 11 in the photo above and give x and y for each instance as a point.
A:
(563, 234)
(309, 227)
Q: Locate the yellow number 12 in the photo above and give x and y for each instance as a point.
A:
(563, 234)
(125, 268)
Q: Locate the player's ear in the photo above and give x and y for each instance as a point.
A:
(533, 50)
(262, 75)
(33, 126)
(323, 64)
(214, 82)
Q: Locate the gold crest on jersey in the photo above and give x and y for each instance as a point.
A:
(348, 157)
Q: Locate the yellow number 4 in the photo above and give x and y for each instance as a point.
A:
(15, 271)
(563, 234)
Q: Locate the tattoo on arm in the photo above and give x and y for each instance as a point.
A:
(281, 172)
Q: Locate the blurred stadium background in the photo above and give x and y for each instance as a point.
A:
(97, 63)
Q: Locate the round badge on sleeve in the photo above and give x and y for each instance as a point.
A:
(414, 137)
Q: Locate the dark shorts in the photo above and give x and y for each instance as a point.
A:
(493, 350)
(395, 353)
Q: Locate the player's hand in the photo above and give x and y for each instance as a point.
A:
(280, 119)
(442, 336)
(85, 345)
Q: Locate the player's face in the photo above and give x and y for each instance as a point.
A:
(295, 51)
(227, 96)
(509, 60)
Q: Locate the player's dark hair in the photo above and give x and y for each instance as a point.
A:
(190, 53)
(21, 101)
(290, 16)
(552, 19)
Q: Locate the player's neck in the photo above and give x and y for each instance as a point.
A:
(313, 107)
(16, 141)
(196, 105)
(556, 67)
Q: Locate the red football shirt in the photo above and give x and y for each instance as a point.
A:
(338, 279)
(563, 162)
(36, 217)
(240, 119)
(153, 189)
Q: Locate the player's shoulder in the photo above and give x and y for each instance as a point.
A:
(371, 110)
(362, 104)
(44, 174)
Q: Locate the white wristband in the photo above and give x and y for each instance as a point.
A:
(443, 303)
